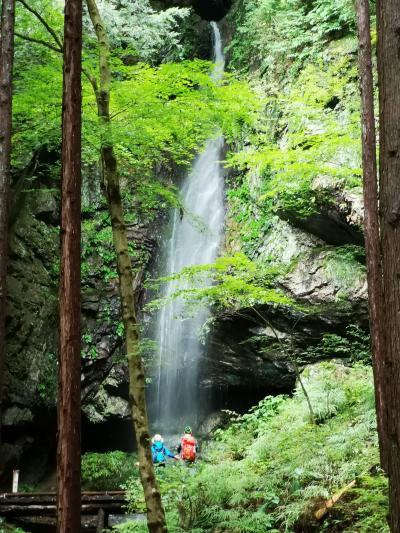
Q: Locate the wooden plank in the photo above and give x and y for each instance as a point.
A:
(50, 510)
(24, 498)
(36, 504)
(53, 494)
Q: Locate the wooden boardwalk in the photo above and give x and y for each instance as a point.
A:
(43, 504)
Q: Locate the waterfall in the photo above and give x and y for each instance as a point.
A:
(175, 394)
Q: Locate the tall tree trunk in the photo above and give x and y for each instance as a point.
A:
(371, 224)
(388, 20)
(6, 72)
(69, 396)
(155, 512)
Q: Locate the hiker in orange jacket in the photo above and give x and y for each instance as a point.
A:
(187, 448)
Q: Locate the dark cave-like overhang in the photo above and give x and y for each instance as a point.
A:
(206, 9)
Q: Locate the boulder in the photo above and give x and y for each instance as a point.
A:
(110, 398)
(213, 421)
(251, 350)
(327, 276)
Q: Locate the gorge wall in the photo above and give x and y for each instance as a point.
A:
(305, 225)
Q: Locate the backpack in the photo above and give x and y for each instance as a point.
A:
(158, 452)
(188, 452)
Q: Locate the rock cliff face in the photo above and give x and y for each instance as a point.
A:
(309, 226)
(339, 216)
(30, 389)
(250, 348)
(247, 349)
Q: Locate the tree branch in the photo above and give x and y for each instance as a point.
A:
(119, 112)
(87, 74)
(92, 79)
(291, 356)
(45, 24)
(39, 41)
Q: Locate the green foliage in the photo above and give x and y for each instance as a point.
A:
(229, 282)
(170, 479)
(8, 528)
(165, 114)
(249, 217)
(141, 33)
(27, 487)
(246, 427)
(98, 255)
(320, 139)
(89, 351)
(269, 468)
(136, 526)
(349, 253)
(342, 268)
(107, 471)
(36, 104)
(276, 36)
(354, 346)
(160, 115)
(149, 197)
(364, 508)
(302, 56)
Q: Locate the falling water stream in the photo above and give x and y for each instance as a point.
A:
(176, 398)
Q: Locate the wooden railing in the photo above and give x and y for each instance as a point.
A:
(30, 504)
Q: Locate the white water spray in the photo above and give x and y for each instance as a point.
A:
(179, 350)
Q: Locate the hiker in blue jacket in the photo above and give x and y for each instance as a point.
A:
(159, 451)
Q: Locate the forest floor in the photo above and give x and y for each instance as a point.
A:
(270, 470)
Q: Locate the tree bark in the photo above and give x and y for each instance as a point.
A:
(155, 513)
(69, 396)
(388, 21)
(6, 74)
(371, 224)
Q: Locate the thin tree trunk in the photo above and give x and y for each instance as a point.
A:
(371, 224)
(292, 358)
(6, 72)
(69, 398)
(155, 512)
(388, 20)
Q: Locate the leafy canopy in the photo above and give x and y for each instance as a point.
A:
(160, 114)
(231, 282)
(165, 114)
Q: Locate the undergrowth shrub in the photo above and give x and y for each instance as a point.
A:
(287, 463)
(271, 467)
(353, 345)
(9, 528)
(107, 471)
